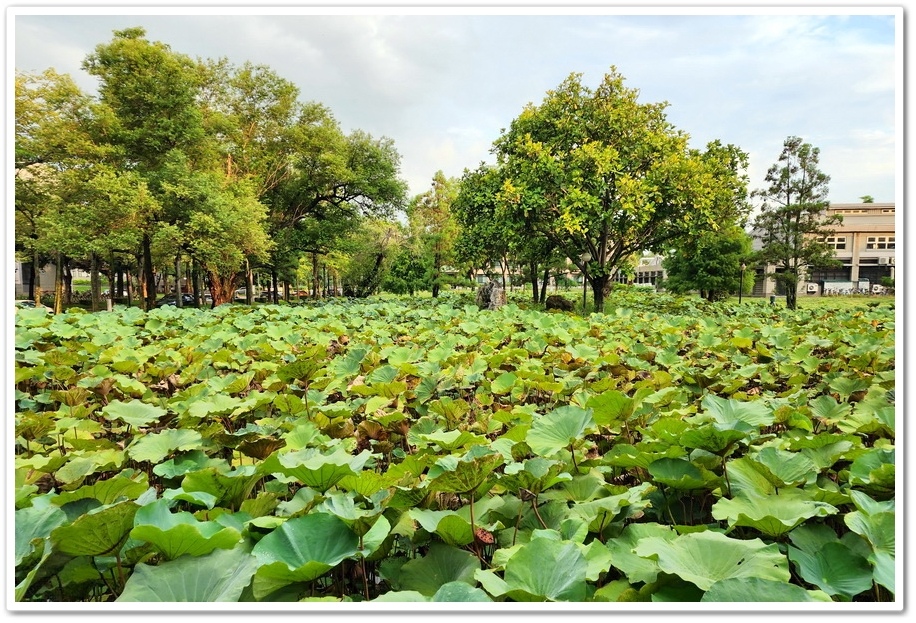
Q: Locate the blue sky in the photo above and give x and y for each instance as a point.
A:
(444, 83)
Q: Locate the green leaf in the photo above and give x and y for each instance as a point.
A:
(97, 533)
(528, 578)
(559, 429)
(155, 447)
(677, 473)
(758, 590)
(301, 550)
(728, 411)
(774, 515)
(441, 565)
(178, 534)
(219, 576)
(460, 592)
(33, 526)
(834, 569)
(133, 412)
(504, 383)
(610, 407)
(704, 558)
(310, 467)
(466, 475)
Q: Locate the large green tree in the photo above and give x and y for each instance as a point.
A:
(793, 219)
(603, 176)
(150, 97)
(431, 221)
(711, 264)
(51, 143)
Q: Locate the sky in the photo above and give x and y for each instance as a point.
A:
(443, 82)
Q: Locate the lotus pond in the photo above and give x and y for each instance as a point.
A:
(426, 451)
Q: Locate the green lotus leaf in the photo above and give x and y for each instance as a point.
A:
(83, 464)
(637, 568)
(728, 412)
(834, 569)
(315, 469)
(214, 404)
(155, 447)
(464, 476)
(626, 455)
(503, 383)
(535, 475)
(452, 440)
(791, 468)
(677, 473)
(33, 525)
(229, 488)
(219, 576)
(610, 407)
(442, 564)
(704, 558)
(559, 429)
(878, 528)
(187, 462)
(528, 578)
(357, 518)
(874, 471)
(448, 525)
(197, 498)
(826, 408)
(845, 386)
(773, 515)
(885, 570)
(460, 592)
(402, 596)
(612, 508)
(711, 438)
(756, 590)
(300, 550)
(107, 491)
(101, 532)
(133, 412)
(178, 534)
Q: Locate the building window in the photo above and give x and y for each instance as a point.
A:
(880, 242)
(837, 242)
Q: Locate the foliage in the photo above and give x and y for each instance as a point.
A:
(793, 224)
(422, 449)
(711, 264)
(602, 176)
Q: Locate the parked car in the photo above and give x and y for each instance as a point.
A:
(187, 300)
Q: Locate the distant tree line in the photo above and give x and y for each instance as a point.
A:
(219, 176)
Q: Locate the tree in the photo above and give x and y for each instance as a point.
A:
(431, 221)
(51, 140)
(793, 221)
(867, 199)
(710, 264)
(150, 97)
(597, 172)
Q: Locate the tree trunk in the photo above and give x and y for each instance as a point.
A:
(599, 283)
(35, 285)
(149, 276)
(436, 268)
(59, 285)
(222, 289)
(95, 283)
(68, 281)
(130, 287)
(533, 275)
(249, 284)
(274, 285)
(315, 283)
(178, 298)
(544, 285)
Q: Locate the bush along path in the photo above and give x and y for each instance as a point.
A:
(428, 451)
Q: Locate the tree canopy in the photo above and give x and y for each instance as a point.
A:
(793, 220)
(602, 176)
